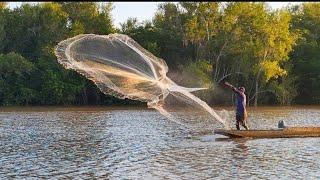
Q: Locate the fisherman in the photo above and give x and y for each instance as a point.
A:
(241, 114)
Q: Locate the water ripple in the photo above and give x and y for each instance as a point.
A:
(141, 144)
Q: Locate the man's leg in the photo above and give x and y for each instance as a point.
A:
(244, 124)
(238, 125)
(238, 122)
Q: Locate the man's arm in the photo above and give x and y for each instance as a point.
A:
(226, 84)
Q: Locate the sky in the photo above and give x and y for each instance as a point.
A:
(143, 10)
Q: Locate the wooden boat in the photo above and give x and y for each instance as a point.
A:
(287, 132)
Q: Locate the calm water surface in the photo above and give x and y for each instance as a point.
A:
(138, 143)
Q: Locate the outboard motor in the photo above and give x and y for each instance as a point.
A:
(281, 124)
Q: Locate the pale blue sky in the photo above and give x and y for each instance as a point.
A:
(143, 10)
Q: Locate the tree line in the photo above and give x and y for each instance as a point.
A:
(275, 54)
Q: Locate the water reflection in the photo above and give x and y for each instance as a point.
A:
(239, 154)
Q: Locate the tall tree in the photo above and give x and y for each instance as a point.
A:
(15, 79)
(168, 22)
(306, 55)
(258, 45)
(90, 16)
(2, 28)
(201, 24)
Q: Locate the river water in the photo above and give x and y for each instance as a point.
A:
(139, 143)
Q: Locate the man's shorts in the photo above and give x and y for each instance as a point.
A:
(240, 118)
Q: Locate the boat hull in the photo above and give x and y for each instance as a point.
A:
(288, 132)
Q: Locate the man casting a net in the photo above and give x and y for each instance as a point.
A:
(241, 114)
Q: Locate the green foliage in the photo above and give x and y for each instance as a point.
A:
(285, 90)
(33, 31)
(197, 74)
(169, 25)
(89, 17)
(306, 55)
(272, 70)
(2, 30)
(202, 25)
(129, 26)
(14, 79)
(274, 54)
(263, 42)
(144, 33)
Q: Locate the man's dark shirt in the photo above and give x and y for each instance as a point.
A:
(241, 102)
